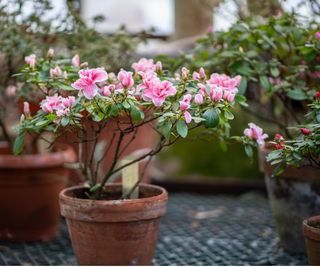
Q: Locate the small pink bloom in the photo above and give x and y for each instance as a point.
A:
(31, 60)
(68, 101)
(202, 73)
(75, 60)
(187, 116)
(229, 96)
(107, 90)
(216, 93)
(317, 35)
(62, 112)
(50, 104)
(210, 29)
(87, 82)
(196, 76)
(125, 78)
(305, 131)
(158, 91)
(56, 72)
(256, 133)
(198, 99)
(185, 102)
(26, 109)
(317, 95)
(144, 65)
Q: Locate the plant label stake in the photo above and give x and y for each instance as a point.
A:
(130, 177)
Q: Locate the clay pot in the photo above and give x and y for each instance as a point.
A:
(311, 231)
(114, 232)
(145, 138)
(29, 191)
(293, 196)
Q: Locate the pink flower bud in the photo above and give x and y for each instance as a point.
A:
(56, 72)
(187, 117)
(50, 53)
(158, 66)
(75, 60)
(31, 60)
(185, 73)
(185, 102)
(202, 74)
(26, 109)
(65, 75)
(198, 99)
(125, 78)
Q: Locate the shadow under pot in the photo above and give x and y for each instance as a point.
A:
(29, 193)
(293, 197)
(311, 231)
(113, 231)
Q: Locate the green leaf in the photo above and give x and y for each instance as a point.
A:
(65, 121)
(19, 143)
(95, 188)
(182, 129)
(243, 85)
(126, 105)
(279, 169)
(166, 129)
(249, 151)
(66, 87)
(228, 115)
(265, 82)
(211, 117)
(275, 72)
(136, 114)
(297, 94)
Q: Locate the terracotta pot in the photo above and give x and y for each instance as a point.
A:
(114, 232)
(293, 197)
(29, 191)
(145, 138)
(311, 231)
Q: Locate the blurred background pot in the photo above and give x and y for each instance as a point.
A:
(311, 231)
(293, 196)
(29, 191)
(113, 231)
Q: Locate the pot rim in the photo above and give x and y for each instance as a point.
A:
(310, 231)
(113, 210)
(30, 161)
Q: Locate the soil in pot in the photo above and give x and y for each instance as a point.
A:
(293, 196)
(113, 231)
(311, 231)
(29, 192)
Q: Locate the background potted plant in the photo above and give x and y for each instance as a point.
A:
(108, 222)
(278, 60)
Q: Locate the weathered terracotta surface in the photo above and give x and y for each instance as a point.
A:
(293, 197)
(29, 191)
(312, 238)
(114, 232)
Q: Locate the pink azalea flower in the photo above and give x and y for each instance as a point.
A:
(67, 102)
(125, 78)
(216, 93)
(185, 102)
(107, 90)
(256, 133)
(75, 60)
(229, 96)
(51, 103)
(158, 91)
(31, 60)
(56, 72)
(317, 35)
(187, 116)
(87, 82)
(198, 99)
(144, 65)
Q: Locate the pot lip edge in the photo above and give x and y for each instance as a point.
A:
(162, 197)
(310, 231)
(58, 158)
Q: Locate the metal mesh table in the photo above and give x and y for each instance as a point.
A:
(197, 230)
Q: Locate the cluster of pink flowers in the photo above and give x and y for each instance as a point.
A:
(146, 65)
(221, 87)
(60, 105)
(256, 133)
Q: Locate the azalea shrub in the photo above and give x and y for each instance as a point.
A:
(172, 105)
(278, 60)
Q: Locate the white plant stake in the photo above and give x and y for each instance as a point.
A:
(130, 177)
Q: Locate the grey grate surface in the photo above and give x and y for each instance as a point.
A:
(197, 230)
